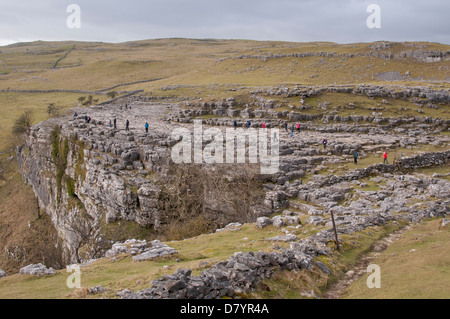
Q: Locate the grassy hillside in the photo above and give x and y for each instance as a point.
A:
(416, 266)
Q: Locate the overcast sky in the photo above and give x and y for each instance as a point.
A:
(342, 21)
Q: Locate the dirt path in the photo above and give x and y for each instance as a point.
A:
(336, 290)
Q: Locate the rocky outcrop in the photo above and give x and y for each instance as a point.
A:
(86, 169)
(90, 167)
(140, 249)
(36, 270)
(378, 51)
(238, 274)
(80, 167)
(407, 163)
(242, 272)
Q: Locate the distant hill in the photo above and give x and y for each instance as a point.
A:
(94, 65)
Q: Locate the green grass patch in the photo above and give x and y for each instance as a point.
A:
(417, 266)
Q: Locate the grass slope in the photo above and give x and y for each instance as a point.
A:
(417, 266)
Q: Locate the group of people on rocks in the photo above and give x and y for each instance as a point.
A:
(235, 124)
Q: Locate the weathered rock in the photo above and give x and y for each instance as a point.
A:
(278, 221)
(231, 227)
(97, 290)
(323, 268)
(157, 250)
(316, 220)
(262, 222)
(130, 246)
(37, 270)
(285, 238)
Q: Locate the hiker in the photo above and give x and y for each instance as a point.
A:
(126, 106)
(264, 125)
(121, 107)
(235, 124)
(248, 124)
(127, 125)
(275, 138)
(286, 126)
(75, 115)
(114, 122)
(110, 123)
(324, 142)
(298, 127)
(292, 130)
(355, 157)
(146, 127)
(385, 160)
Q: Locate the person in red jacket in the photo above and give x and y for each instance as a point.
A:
(385, 161)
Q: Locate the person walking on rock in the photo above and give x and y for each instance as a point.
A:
(355, 157)
(127, 125)
(115, 123)
(324, 142)
(385, 160)
(235, 124)
(286, 126)
(298, 127)
(146, 127)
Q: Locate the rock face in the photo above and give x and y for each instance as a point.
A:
(78, 166)
(84, 166)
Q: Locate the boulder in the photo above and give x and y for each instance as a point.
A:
(278, 221)
(36, 270)
(157, 250)
(97, 290)
(262, 222)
